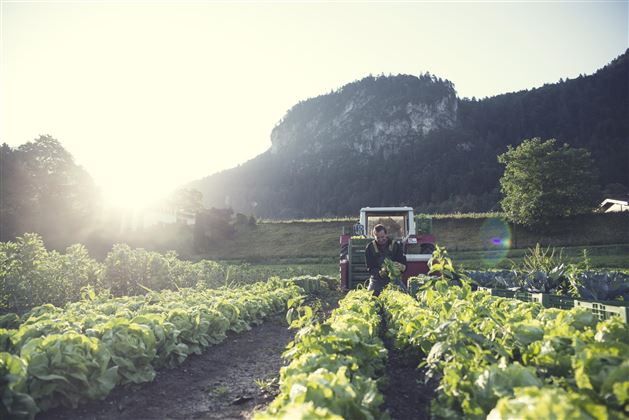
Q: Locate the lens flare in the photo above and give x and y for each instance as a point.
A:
(495, 237)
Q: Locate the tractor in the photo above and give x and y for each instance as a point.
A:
(400, 223)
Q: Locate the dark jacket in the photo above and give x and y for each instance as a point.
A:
(375, 255)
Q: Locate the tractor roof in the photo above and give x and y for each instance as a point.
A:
(385, 209)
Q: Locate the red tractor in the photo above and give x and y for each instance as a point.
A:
(400, 224)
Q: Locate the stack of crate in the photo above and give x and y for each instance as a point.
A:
(358, 273)
(602, 310)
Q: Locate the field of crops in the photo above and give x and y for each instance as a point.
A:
(477, 355)
(54, 356)
(490, 357)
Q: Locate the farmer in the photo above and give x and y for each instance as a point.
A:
(376, 251)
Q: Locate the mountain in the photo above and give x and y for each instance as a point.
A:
(407, 140)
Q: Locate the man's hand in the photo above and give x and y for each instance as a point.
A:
(382, 272)
(400, 266)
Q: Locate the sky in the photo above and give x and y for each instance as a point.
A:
(150, 95)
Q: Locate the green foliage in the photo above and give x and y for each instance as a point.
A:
(441, 268)
(547, 402)
(30, 275)
(334, 365)
(491, 355)
(83, 351)
(548, 271)
(132, 346)
(44, 191)
(213, 225)
(543, 181)
(128, 271)
(64, 367)
(392, 268)
(539, 259)
(16, 403)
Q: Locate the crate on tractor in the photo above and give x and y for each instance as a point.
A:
(400, 225)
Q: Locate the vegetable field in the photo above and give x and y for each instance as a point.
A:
(447, 349)
(66, 356)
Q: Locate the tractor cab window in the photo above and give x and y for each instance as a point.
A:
(396, 224)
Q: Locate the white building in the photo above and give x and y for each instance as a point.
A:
(609, 206)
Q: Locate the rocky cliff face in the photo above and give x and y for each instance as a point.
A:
(358, 119)
(406, 140)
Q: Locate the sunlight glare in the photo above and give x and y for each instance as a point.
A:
(132, 195)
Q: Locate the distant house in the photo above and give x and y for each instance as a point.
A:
(159, 216)
(609, 205)
(185, 217)
(167, 216)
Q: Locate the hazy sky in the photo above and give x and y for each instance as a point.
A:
(149, 95)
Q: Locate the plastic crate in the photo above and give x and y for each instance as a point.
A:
(498, 292)
(604, 311)
(528, 297)
(560, 302)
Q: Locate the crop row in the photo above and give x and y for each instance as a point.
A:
(334, 365)
(504, 358)
(56, 356)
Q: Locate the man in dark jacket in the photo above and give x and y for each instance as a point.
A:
(376, 251)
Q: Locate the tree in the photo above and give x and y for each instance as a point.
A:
(212, 226)
(543, 180)
(13, 200)
(43, 190)
(187, 199)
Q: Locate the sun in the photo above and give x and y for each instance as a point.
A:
(130, 195)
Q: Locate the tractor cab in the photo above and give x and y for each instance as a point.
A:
(400, 223)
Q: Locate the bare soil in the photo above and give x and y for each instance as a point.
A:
(406, 395)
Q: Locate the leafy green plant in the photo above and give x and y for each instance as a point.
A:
(334, 365)
(545, 260)
(16, 402)
(441, 268)
(82, 351)
(392, 268)
(268, 385)
(484, 350)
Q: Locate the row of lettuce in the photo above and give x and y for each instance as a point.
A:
(502, 358)
(336, 365)
(52, 356)
(487, 357)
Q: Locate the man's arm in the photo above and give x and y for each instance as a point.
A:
(399, 255)
(371, 260)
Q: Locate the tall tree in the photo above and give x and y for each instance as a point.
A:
(13, 199)
(543, 180)
(45, 191)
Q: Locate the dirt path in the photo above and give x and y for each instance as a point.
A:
(219, 384)
(406, 396)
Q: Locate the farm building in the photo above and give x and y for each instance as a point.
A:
(609, 205)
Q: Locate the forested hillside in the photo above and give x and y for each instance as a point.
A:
(393, 140)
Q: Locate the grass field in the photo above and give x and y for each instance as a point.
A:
(612, 257)
(314, 244)
(600, 256)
